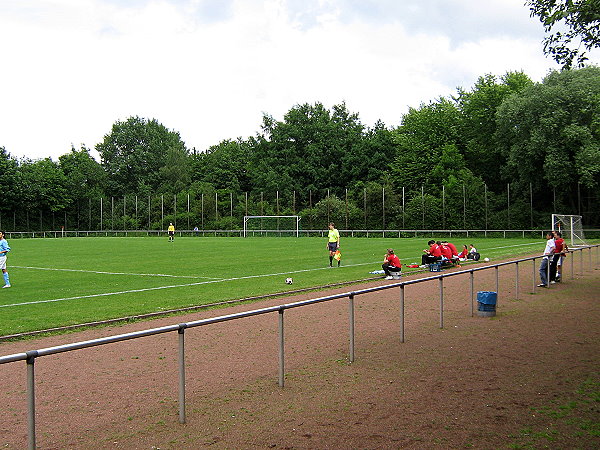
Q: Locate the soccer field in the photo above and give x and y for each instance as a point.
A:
(58, 282)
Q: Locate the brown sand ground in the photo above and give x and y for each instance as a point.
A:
(527, 378)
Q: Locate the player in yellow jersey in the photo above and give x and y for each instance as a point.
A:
(333, 243)
(171, 231)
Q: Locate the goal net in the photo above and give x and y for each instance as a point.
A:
(570, 227)
(272, 226)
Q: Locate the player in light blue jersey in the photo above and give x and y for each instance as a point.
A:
(4, 249)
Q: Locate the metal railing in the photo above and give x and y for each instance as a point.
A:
(390, 233)
(30, 356)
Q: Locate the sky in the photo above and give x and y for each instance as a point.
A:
(210, 69)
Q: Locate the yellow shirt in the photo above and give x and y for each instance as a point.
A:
(171, 228)
(334, 235)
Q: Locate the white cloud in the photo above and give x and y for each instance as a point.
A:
(209, 69)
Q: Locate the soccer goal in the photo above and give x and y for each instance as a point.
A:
(570, 227)
(272, 226)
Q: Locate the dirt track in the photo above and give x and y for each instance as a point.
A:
(519, 380)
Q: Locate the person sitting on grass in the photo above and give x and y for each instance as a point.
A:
(472, 251)
(462, 256)
(391, 263)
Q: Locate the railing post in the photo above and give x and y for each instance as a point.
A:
(534, 277)
(497, 284)
(31, 399)
(281, 349)
(181, 333)
(351, 319)
(517, 279)
(581, 261)
(472, 279)
(402, 313)
(441, 282)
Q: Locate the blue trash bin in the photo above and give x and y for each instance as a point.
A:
(486, 303)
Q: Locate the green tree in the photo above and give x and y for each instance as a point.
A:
(175, 174)
(420, 140)
(133, 153)
(549, 134)
(8, 181)
(85, 176)
(224, 165)
(369, 157)
(478, 108)
(43, 185)
(305, 151)
(573, 27)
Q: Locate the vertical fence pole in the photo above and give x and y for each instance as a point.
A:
(581, 261)
(572, 258)
(497, 284)
(517, 280)
(441, 280)
(281, 350)
(351, 306)
(31, 399)
(472, 279)
(533, 277)
(402, 313)
(181, 333)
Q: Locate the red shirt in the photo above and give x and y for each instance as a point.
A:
(393, 260)
(464, 253)
(446, 251)
(559, 245)
(435, 250)
(453, 248)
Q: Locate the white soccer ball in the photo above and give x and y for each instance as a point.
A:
(289, 280)
(486, 259)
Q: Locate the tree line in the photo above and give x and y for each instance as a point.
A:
(505, 153)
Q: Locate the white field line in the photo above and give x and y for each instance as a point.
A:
(220, 280)
(117, 273)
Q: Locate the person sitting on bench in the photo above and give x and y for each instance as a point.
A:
(432, 254)
(391, 263)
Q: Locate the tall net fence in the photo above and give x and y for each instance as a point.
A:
(368, 207)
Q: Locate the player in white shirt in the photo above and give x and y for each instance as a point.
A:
(548, 254)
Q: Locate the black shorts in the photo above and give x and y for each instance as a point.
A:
(332, 246)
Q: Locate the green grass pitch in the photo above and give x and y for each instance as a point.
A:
(57, 282)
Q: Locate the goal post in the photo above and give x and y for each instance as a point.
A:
(272, 226)
(571, 228)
